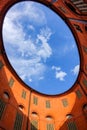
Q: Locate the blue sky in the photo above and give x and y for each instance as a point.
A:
(41, 48)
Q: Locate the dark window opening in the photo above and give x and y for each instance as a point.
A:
(2, 107)
(71, 7)
(18, 121)
(72, 126)
(78, 28)
(1, 64)
(79, 94)
(85, 83)
(86, 28)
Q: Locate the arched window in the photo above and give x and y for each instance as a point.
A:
(85, 107)
(21, 107)
(34, 114)
(6, 95)
(69, 116)
(49, 118)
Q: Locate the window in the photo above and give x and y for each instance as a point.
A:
(78, 28)
(2, 107)
(63, 9)
(34, 125)
(79, 94)
(85, 49)
(69, 116)
(71, 7)
(24, 94)
(71, 126)
(49, 118)
(47, 104)
(6, 95)
(53, 1)
(85, 107)
(1, 64)
(21, 107)
(86, 28)
(50, 127)
(11, 82)
(65, 102)
(35, 100)
(34, 114)
(18, 121)
(85, 83)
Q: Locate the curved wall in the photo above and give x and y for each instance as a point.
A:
(22, 108)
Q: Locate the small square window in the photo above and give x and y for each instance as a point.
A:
(79, 94)
(85, 82)
(65, 102)
(11, 82)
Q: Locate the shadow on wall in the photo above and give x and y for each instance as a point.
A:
(11, 115)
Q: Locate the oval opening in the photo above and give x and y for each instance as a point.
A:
(41, 48)
(6, 95)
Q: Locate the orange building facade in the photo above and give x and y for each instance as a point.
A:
(22, 108)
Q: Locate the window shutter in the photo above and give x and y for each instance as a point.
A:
(18, 121)
(2, 107)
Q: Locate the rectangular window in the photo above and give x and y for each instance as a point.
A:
(78, 28)
(85, 83)
(18, 121)
(79, 94)
(11, 82)
(35, 100)
(50, 127)
(53, 1)
(71, 126)
(34, 125)
(65, 102)
(47, 104)
(63, 9)
(24, 94)
(1, 64)
(85, 49)
(2, 107)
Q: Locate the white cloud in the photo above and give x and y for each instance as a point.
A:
(75, 70)
(56, 68)
(28, 59)
(45, 50)
(31, 27)
(29, 11)
(59, 74)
